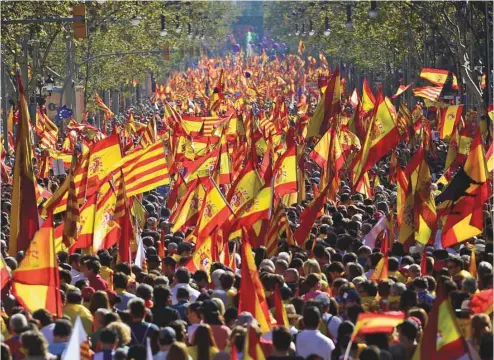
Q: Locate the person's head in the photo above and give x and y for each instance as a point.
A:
(108, 339)
(227, 280)
(145, 292)
(167, 337)
(480, 324)
(201, 278)
(178, 351)
(5, 350)
(99, 317)
(203, 338)
(313, 281)
(469, 285)
(407, 332)
(169, 265)
(194, 312)
(18, 324)
(291, 275)
(162, 296)
(311, 317)
(281, 340)
(123, 331)
(311, 266)
(91, 268)
(420, 284)
(34, 343)
(75, 261)
(455, 265)
(370, 353)
(211, 313)
(137, 309)
(62, 331)
(43, 316)
(180, 328)
(182, 275)
(74, 296)
(408, 300)
(120, 281)
(99, 300)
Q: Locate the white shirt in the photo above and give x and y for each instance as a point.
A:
(332, 323)
(47, 332)
(76, 276)
(194, 294)
(311, 342)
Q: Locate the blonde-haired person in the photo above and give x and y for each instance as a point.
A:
(123, 333)
(311, 266)
(203, 346)
(178, 351)
(480, 324)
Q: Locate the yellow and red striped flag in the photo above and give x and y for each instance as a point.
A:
(24, 220)
(371, 323)
(428, 92)
(150, 134)
(72, 214)
(47, 131)
(36, 282)
(252, 297)
(438, 77)
(449, 118)
(490, 159)
(144, 170)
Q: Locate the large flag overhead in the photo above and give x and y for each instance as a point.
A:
(382, 136)
(438, 77)
(24, 211)
(464, 198)
(36, 282)
(371, 323)
(188, 210)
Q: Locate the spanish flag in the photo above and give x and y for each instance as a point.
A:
(368, 99)
(5, 273)
(103, 156)
(285, 172)
(472, 268)
(256, 209)
(36, 282)
(449, 118)
(381, 271)
(150, 135)
(364, 187)
(438, 77)
(280, 312)
(371, 323)
(482, 302)
(404, 209)
(382, 136)
(328, 106)
(252, 297)
(301, 47)
(225, 169)
(187, 212)
(24, 220)
(215, 210)
(245, 187)
(442, 338)
(490, 159)
(465, 196)
(252, 345)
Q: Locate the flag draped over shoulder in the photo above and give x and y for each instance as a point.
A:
(24, 211)
(36, 282)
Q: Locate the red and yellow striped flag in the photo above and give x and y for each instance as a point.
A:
(24, 220)
(428, 92)
(150, 134)
(278, 224)
(280, 312)
(47, 131)
(72, 214)
(36, 282)
(145, 169)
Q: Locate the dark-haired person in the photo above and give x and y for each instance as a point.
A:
(61, 337)
(311, 341)
(74, 308)
(91, 271)
(181, 279)
(140, 329)
(120, 281)
(281, 345)
(108, 340)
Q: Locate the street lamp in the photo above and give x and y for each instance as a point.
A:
(311, 29)
(373, 10)
(327, 30)
(303, 29)
(297, 33)
(178, 29)
(189, 32)
(49, 82)
(349, 22)
(163, 31)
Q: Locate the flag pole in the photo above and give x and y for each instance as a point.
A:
(347, 351)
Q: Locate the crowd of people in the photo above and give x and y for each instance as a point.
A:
(325, 285)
